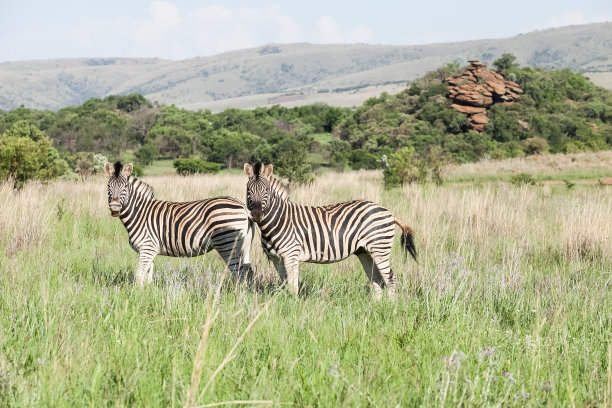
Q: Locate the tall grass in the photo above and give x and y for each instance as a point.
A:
(509, 305)
(588, 165)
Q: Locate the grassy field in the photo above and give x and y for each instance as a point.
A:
(589, 166)
(509, 305)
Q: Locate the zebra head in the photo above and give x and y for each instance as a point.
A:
(117, 186)
(258, 189)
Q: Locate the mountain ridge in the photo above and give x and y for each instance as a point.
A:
(314, 72)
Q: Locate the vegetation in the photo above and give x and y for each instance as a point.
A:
(26, 153)
(195, 166)
(509, 304)
(522, 179)
(560, 111)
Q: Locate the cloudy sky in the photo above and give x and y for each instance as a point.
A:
(178, 29)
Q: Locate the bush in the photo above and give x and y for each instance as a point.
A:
(404, 166)
(535, 145)
(147, 153)
(26, 153)
(360, 159)
(137, 171)
(522, 179)
(195, 166)
(292, 163)
(437, 161)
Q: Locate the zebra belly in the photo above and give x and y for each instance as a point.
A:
(176, 250)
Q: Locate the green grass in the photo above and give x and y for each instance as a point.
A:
(502, 309)
(160, 168)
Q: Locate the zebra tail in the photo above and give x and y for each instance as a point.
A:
(407, 239)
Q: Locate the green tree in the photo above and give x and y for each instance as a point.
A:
(147, 153)
(505, 63)
(26, 153)
(230, 147)
(292, 163)
(404, 167)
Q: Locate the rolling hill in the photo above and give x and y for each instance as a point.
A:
(291, 74)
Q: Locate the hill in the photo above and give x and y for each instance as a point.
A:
(290, 74)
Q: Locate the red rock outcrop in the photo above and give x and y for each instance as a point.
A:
(476, 89)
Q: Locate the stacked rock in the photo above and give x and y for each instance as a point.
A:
(476, 89)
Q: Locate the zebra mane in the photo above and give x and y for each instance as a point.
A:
(257, 169)
(143, 188)
(279, 189)
(118, 168)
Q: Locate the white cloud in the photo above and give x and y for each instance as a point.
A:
(164, 19)
(159, 35)
(217, 29)
(330, 32)
(284, 28)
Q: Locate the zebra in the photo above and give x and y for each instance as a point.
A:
(178, 228)
(293, 233)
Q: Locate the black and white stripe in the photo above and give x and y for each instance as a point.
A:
(178, 228)
(293, 233)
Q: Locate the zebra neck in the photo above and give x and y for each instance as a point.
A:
(140, 196)
(279, 208)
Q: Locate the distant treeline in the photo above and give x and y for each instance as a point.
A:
(560, 111)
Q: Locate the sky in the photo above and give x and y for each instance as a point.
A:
(180, 29)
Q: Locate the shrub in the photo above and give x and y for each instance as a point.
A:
(360, 159)
(535, 145)
(292, 162)
(522, 179)
(404, 167)
(194, 166)
(438, 161)
(137, 171)
(147, 153)
(26, 153)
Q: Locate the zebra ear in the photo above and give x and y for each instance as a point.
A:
(268, 170)
(108, 168)
(127, 169)
(248, 170)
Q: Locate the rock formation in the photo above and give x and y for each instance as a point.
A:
(476, 89)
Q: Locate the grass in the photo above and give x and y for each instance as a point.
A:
(159, 168)
(577, 166)
(509, 305)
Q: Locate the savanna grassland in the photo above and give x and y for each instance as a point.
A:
(509, 305)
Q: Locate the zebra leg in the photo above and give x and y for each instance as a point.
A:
(292, 268)
(279, 265)
(384, 268)
(150, 274)
(245, 261)
(231, 257)
(373, 274)
(144, 273)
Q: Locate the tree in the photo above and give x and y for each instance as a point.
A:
(404, 167)
(505, 63)
(147, 153)
(229, 147)
(292, 162)
(26, 153)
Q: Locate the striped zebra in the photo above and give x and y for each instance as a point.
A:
(293, 233)
(178, 229)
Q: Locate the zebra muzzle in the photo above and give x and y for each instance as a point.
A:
(114, 209)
